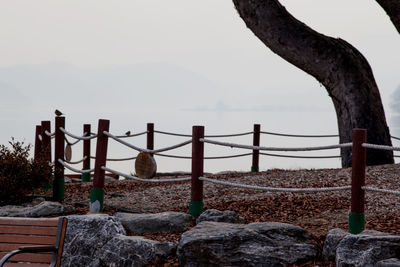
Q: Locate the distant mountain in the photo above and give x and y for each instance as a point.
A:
(158, 84)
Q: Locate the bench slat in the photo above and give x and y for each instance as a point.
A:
(36, 240)
(12, 264)
(34, 230)
(29, 221)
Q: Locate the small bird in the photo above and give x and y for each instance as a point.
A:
(128, 133)
(58, 113)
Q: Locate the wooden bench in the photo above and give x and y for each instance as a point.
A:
(31, 242)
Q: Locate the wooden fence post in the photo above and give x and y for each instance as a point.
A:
(256, 153)
(196, 203)
(38, 143)
(85, 177)
(97, 192)
(356, 216)
(58, 183)
(46, 141)
(150, 136)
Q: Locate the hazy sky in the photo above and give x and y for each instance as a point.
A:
(203, 43)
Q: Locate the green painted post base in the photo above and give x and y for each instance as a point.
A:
(196, 208)
(96, 200)
(356, 223)
(85, 177)
(254, 169)
(58, 189)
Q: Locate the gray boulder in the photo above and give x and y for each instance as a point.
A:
(45, 208)
(100, 240)
(367, 249)
(213, 215)
(392, 262)
(335, 236)
(255, 244)
(148, 223)
(132, 251)
(332, 240)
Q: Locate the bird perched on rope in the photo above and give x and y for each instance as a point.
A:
(128, 133)
(58, 113)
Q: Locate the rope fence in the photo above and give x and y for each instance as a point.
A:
(277, 189)
(49, 134)
(172, 180)
(76, 162)
(299, 135)
(132, 135)
(73, 169)
(198, 141)
(72, 143)
(76, 136)
(151, 151)
(275, 148)
(218, 157)
(380, 147)
(300, 157)
(209, 136)
(387, 191)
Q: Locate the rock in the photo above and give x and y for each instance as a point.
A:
(392, 262)
(132, 251)
(148, 223)
(332, 240)
(214, 215)
(255, 244)
(46, 208)
(367, 249)
(99, 240)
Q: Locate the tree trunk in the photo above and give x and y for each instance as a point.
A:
(336, 64)
(392, 9)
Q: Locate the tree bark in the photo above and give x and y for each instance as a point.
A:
(392, 9)
(336, 64)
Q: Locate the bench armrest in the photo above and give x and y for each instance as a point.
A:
(27, 249)
(38, 248)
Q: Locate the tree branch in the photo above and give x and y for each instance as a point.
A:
(392, 9)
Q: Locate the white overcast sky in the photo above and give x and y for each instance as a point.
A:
(205, 37)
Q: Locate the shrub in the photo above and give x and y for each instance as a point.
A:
(20, 175)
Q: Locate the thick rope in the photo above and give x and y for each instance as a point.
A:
(277, 189)
(132, 135)
(300, 157)
(229, 135)
(367, 188)
(381, 147)
(275, 148)
(71, 143)
(300, 135)
(76, 136)
(174, 134)
(189, 135)
(220, 157)
(73, 169)
(121, 159)
(49, 134)
(143, 149)
(76, 162)
(146, 180)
